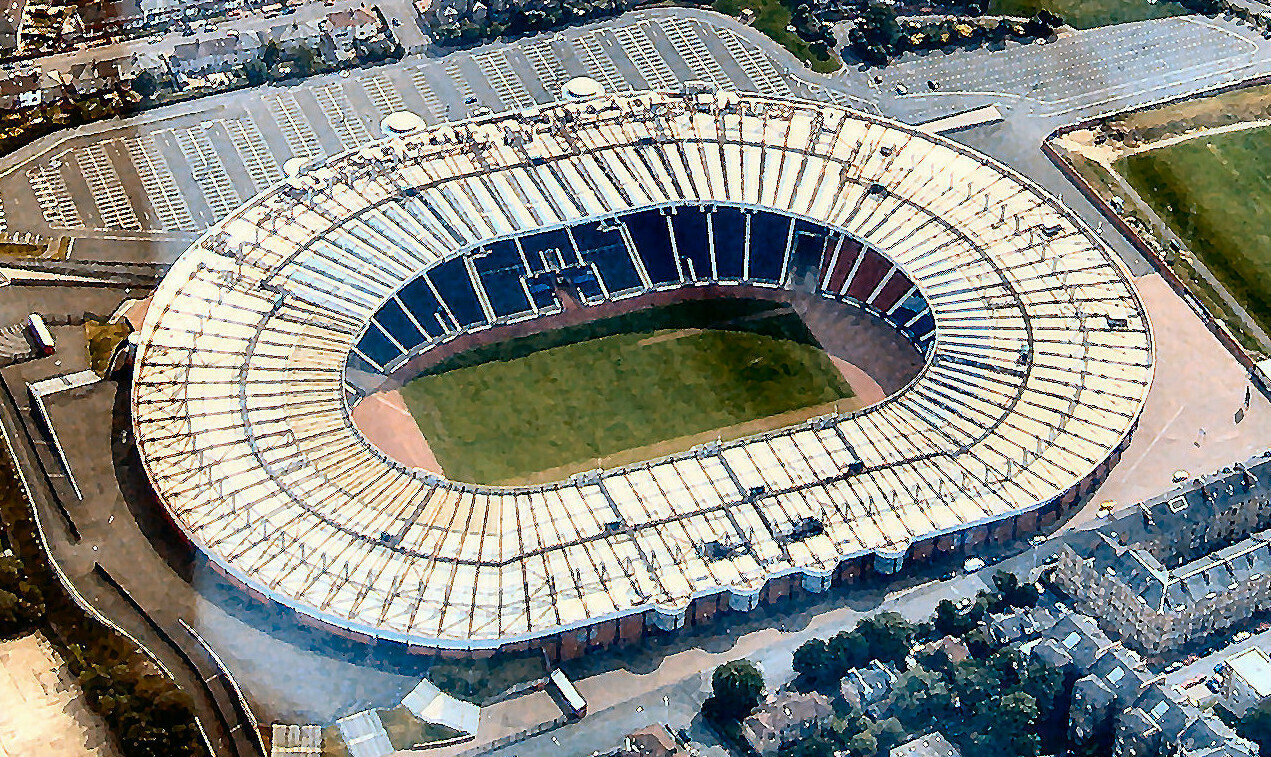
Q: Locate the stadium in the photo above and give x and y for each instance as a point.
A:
(1033, 358)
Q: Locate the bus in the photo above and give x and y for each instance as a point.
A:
(41, 337)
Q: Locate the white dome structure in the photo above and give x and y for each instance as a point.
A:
(400, 122)
(581, 88)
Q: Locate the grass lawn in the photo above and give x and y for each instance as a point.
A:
(571, 404)
(1215, 192)
(1087, 14)
(772, 17)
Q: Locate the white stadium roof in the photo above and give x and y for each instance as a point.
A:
(1040, 364)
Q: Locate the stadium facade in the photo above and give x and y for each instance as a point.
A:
(265, 333)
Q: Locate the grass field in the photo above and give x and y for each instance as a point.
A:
(772, 17)
(1215, 192)
(500, 421)
(1087, 14)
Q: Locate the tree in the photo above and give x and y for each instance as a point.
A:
(255, 72)
(949, 622)
(272, 54)
(736, 687)
(889, 636)
(876, 33)
(862, 744)
(1014, 593)
(812, 746)
(1256, 726)
(888, 733)
(813, 662)
(1008, 726)
(848, 649)
(145, 84)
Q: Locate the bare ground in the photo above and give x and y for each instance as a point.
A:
(386, 423)
(42, 709)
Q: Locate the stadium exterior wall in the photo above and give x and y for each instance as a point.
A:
(703, 611)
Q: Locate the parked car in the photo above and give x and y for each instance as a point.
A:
(973, 564)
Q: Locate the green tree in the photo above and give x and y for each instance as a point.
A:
(888, 733)
(145, 84)
(1014, 593)
(736, 688)
(1256, 726)
(889, 636)
(812, 746)
(862, 744)
(256, 72)
(848, 649)
(949, 622)
(812, 661)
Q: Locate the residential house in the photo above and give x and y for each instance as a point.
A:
(1021, 624)
(951, 649)
(868, 688)
(1188, 564)
(784, 718)
(225, 53)
(652, 741)
(930, 745)
(352, 25)
(1246, 680)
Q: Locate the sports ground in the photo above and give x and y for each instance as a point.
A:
(1215, 192)
(577, 404)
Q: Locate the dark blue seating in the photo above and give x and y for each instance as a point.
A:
(393, 319)
(501, 272)
(377, 347)
(455, 287)
(652, 241)
(691, 242)
(769, 234)
(584, 280)
(418, 298)
(729, 226)
(922, 327)
(548, 250)
(809, 248)
(608, 253)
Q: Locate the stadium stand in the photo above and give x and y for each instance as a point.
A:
(266, 331)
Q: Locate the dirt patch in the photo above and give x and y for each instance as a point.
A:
(866, 388)
(386, 423)
(42, 709)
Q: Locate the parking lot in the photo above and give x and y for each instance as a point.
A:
(182, 171)
(1079, 73)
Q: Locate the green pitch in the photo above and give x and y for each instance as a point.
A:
(569, 405)
(1087, 14)
(1215, 192)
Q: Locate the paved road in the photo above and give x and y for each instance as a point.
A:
(81, 561)
(620, 701)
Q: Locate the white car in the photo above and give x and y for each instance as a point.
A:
(972, 565)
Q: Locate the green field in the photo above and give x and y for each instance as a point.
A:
(1087, 14)
(771, 18)
(1215, 193)
(570, 405)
